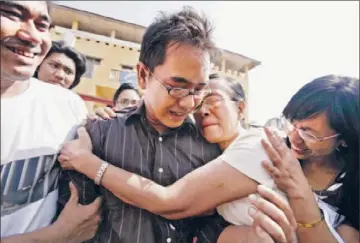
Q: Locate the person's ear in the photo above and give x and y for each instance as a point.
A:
(241, 107)
(142, 74)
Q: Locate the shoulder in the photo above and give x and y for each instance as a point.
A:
(59, 98)
(247, 139)
(54, 91)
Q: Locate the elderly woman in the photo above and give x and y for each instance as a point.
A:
(322, 122)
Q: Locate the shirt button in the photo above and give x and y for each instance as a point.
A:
(168, 240)
(172, 227)
(161, 170)
(160, 139)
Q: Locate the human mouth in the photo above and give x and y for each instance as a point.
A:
(21, 52)
(178, 115)
(298, 150)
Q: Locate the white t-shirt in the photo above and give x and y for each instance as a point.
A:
(245, 154)
(34, 125)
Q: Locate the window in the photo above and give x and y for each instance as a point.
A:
(114, 75)
(91, 62)
(127, 76)
(127, 67)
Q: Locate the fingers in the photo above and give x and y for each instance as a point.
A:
(101, 112)
(84, 137)
(110, 112)
(272, 153)
(74, 197)
(91, 116)
(279, 202)
(94, 207)
(268, 208)
(268, 225)
(275, 214)
(276, 141)
(273, 171)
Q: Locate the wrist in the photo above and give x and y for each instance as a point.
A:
(91, 166)
(59, 232)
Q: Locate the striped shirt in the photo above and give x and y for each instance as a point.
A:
(129, 142)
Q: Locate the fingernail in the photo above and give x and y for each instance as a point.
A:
(252, 197)
(252, 211)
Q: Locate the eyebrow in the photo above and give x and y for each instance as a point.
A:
(181, 80)
(305, 128)
(23, 9)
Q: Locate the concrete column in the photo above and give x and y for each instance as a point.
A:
(113, 34)
(75, 25)
(223, 62)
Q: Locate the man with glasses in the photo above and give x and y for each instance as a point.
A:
(126, 96)
(156, 140)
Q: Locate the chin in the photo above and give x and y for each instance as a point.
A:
(23, 73)
(211, 135)
(172, 124)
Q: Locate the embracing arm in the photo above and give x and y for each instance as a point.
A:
(199, 191)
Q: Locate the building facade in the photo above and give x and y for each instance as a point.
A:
(112, 50)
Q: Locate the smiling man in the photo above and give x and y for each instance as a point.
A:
(36, 119)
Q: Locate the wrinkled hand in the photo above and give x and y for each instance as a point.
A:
(76, 152)
(285, 168)
(79, 222)
(274, 221)
(105, 113)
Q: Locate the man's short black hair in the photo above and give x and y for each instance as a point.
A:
(186, 26)
(77, 57)
(123, 87)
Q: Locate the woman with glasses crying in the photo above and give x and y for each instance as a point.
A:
(319, 167)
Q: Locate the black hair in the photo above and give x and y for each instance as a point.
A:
(123, 87)
(338, 98)
(77, 57)
(238, 93)
(186, 26)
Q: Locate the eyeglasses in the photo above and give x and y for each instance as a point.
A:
(179, 93)
(211, 100)
(305, 135)
(127, 102)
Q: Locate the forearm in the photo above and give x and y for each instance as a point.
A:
(131, 188)
(306, 210)
(50, 234)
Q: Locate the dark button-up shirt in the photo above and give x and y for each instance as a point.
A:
(130, 143)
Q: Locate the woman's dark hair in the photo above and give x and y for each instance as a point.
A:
(338, 98)
(123, 87)
(238, 93)
(78, 58)
(186, 26)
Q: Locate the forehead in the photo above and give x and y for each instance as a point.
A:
(220, 86)
(33, 7)
(129, 93)
(186, 61)
(316, 123)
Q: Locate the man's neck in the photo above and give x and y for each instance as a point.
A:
(11, 88)
(152, 121)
